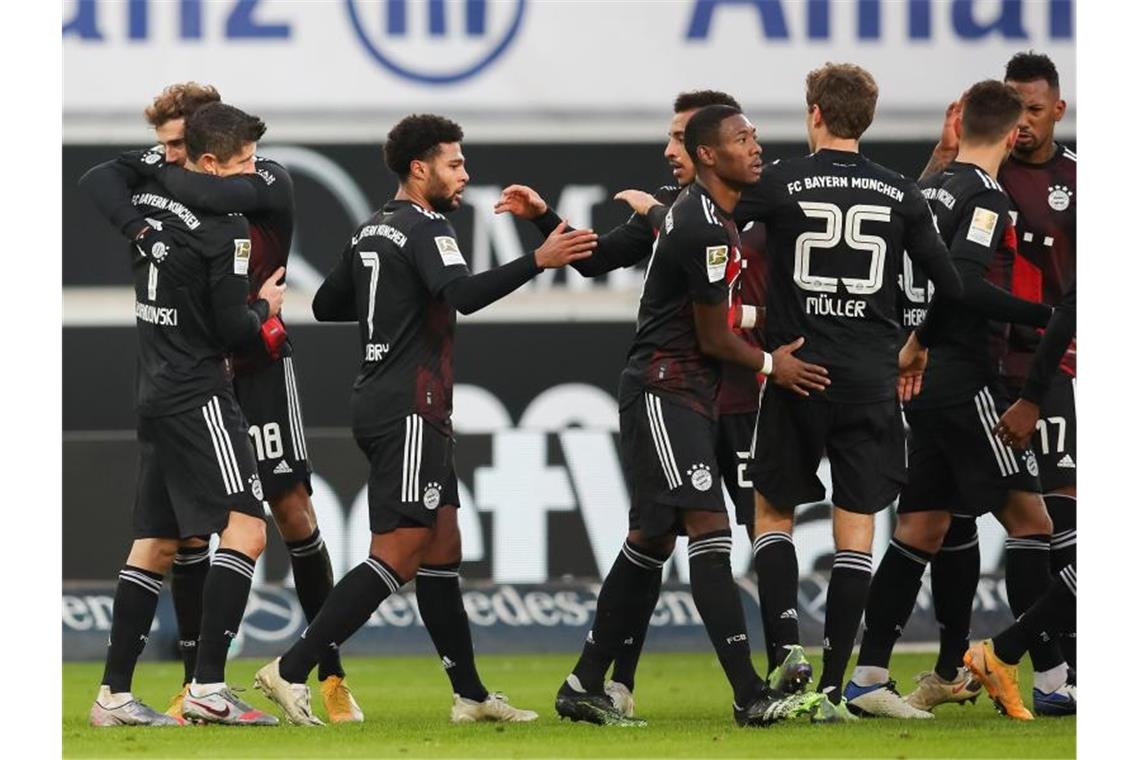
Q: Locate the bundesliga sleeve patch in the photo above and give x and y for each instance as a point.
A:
(982, 227)
(449, 251)
(716, 261)
(241, 256)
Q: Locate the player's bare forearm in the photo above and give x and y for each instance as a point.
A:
(940, 158)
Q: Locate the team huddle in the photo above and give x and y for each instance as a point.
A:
(920, 335)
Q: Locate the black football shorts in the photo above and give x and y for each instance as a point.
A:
(272, 406)
(668, 456)
(1055, 442)
(411, 475)
(194, 469)
(733, 451)
(957, 464)
(865, 444)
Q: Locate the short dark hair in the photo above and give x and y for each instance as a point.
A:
(990, 109)
(687, 101)
(222, 130)
(846, 95)
(417, 138)
(1030, 66)
(704, 127)
(177, 101)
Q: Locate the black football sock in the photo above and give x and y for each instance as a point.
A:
(313, 579)
(136, 597)
(187, 582)
(441, 607)
(777, 585)
(1027, 578)
(846, 598)
(348, 607)
(718, 601)
(640, 611)
(954, 574)
(1062, 552)
(890, 601)
(623, 594)
(223, 604)
(1055, 611)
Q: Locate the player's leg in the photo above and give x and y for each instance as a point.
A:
(402, 528)
(866, 447)
(994, 662)
(270, 399)
(637, 568)
(788, 447)
(136, 594)
(954, 574)
(1028, 578)
(1056, 449)
(188, 579)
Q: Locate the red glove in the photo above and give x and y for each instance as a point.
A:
(273, 335)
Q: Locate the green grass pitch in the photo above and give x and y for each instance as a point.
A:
(683, 696)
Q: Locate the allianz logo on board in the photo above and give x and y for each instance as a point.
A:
(441, 42)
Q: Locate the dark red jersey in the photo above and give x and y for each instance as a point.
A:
(1044, 200)
(696, 260)
(739, 385)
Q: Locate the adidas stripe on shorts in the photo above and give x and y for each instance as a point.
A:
(194, 468)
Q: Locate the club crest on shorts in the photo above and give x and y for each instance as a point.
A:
(700, 476)
(242, 248)
(158, 251)
(432, 495)
(1031, 463)
(255, 487)
(716, 261)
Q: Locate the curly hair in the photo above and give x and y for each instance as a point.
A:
(177, 101)
(417, 138)
(687, 101)
(1030, 66)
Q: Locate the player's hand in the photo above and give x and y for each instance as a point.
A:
(638, 200)
(1016, 426)
(562, 247)
(912, 364)
(273, 291)
(795, 375)
(521, 200)
(948, 141)
(153, 242)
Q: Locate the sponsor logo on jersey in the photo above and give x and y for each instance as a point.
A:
(449, 251)
(242, 248)
(1067, 463)
(700, 477)
(1059, 197)
(982, 226)
(716, 261)
(431, 495)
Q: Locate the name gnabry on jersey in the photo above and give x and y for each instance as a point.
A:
(859, 183)
(374, 352)
(163, 316)
(167, 204)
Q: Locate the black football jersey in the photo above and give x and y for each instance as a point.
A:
(696, 259)
(395, 268)
(182, 358)
(972, 211)
(838, 225)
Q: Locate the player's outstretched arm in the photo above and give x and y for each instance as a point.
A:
(624, 246)
(335, 300)
(470, 293)
(240, 193)
(108, 185)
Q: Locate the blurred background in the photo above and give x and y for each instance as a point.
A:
(572, 97)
